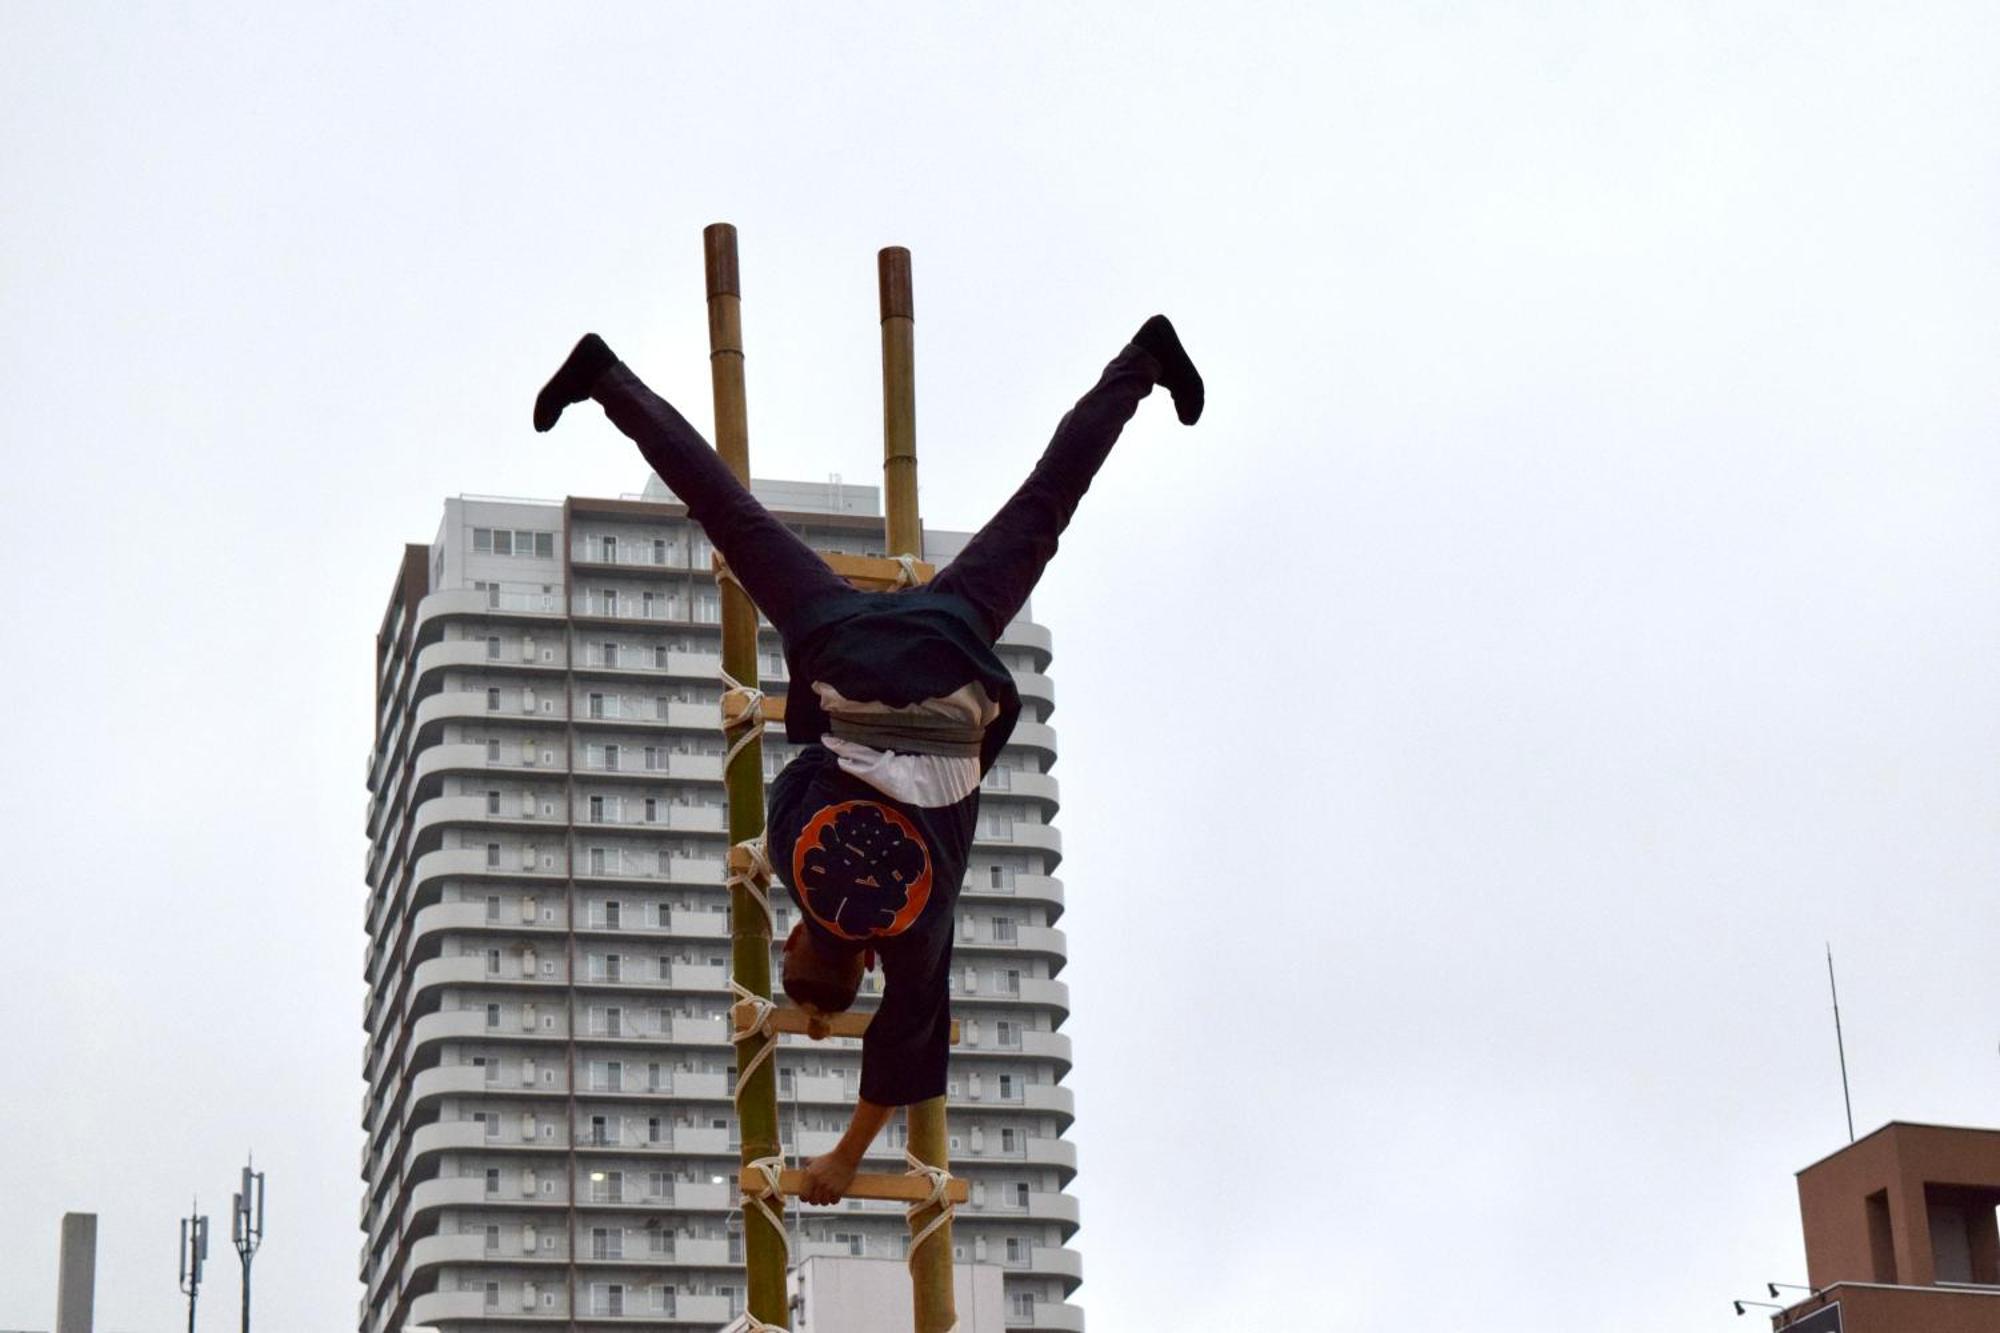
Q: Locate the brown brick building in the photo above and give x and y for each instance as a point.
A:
(1900, 1234)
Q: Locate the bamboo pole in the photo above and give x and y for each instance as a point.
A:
(899, 403)
(749, 930)
(930, 1267)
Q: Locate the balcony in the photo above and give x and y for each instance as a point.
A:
(1044, 838)
(701, 871)
(1052, 1098)
(1040, 788)
(668, 817)
(1054, 1315)
(453, 862)
(454, 603)
(535, 709)
(1037, 736)
(1047, 1206)
(478, 655)
(1044, 889)
(671, 765)
(1051, 1261)
(1027, 634)
(440, 1307)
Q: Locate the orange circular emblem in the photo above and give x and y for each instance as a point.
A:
(862, 869)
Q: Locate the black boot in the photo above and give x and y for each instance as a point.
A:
(1177, 372)
(571, 384)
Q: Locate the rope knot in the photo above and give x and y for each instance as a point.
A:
(939, 1198)
(767, 1169)
(750, 870)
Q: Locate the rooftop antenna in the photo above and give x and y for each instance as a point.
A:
(194, 1250)
(246, 1227)
(1840, 1042)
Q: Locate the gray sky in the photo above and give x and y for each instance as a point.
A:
(1577, 606)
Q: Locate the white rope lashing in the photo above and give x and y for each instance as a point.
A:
(749, 720)
(940, 1179)
(761, 1009)
(750, 1323)
(754, 877)
(906, 570)
(767, 1169)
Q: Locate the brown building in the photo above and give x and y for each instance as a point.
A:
(1900, 1234)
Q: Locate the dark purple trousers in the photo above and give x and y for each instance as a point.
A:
(995, 572)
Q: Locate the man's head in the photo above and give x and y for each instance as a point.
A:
(815, 975)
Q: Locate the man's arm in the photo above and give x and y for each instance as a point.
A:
(829, 1175)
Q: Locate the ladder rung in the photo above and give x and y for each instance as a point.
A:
(870, 573)
(773, 709)
(792, 1019)
(875, 571)
(867, 1185)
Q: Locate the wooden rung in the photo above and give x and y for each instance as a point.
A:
(867, 1185)
(773, 708)
(869, 572)
(792, 1019)
(875, 571)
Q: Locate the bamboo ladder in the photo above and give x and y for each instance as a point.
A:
(756, 1022)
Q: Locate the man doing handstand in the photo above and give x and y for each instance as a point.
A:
(900, 702)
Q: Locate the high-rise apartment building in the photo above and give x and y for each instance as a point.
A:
(550, 1140)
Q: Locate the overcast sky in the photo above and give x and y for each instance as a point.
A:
(1577, 607)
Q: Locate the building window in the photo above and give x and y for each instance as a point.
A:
(492, 701)
(492, 802)
(493, 1015)
(611, 654)
(492, 1180)
(492, 855)
(493, 752)
(493, 647)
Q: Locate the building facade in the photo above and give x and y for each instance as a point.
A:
(550, 1140)
(1901, 1235)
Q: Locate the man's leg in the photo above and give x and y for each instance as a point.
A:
(781, 573)
(1000, 566)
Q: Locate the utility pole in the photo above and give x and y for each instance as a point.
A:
(194, 1251)
(246, 1228)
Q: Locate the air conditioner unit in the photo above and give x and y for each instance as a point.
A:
(527, 650)
(528, 1077)
(527, 858)
(528, 1182)
(527, 701)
